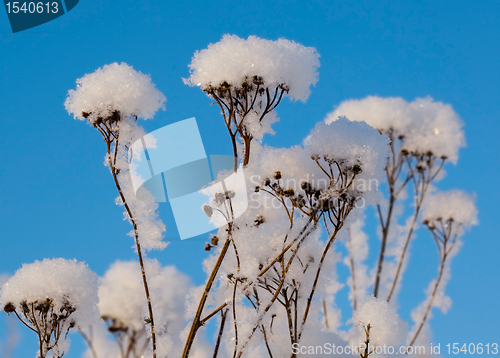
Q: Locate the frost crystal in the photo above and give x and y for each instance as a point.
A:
(424, 124)
(234, 60)
(114, 87)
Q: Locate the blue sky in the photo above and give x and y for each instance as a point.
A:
(57, 199)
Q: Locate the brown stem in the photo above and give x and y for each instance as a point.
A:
(431, 300)
(304, 235)
(204, 320)
(88, 341)
(247, 140)
(316, 278)
(366, 352)
(137, 244)
(196, 321)
(403, 254)
(235, 151)
(289, 319)
(266, 341)
(353, 273)
(421, 187)
(385, 234)
(235, 321)
(325, 312)
(221, 331)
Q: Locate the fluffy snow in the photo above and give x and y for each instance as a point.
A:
(144, 209)
(349, 143)
(258, 129)
(386, 328)
(353, 143)
(121, 294)
(426, 125)
(357, 245)
(234, 60)
(59, 280)
(453, 204)
(115, 87)
(122, 297)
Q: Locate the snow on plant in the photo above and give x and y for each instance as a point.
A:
(446, 215)
(424, 135)
(51, 297)
(273, 274)
(422, 126)
(377, 324)
(114, 87)
(122, 306)
(453, 206)
(248, 78)
(112, 99)
(357, 249)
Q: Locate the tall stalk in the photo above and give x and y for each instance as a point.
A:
(445, 241)
(393, 170)
(108, 129)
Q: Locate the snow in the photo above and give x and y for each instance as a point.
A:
(352, 143)
(60, 280)
(235, 60)
(258, 129)
(144, 209)
(122, 297)
(357, 245)
(426, 125)
(386, 328)
(115, 87)
(454, 204)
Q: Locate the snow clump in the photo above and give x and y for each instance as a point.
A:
(62, 281)
(235, 60)
(454, 205)
(114, 87)
(424, 125)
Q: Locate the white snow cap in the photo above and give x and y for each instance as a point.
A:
(353, 143)
(121, 294)
(58, 279)
(385, 325)
(454, 204)
(115, 87)
(234, 59)
(426, 125)
(122, 297)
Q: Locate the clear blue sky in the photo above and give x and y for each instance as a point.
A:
(57, 198)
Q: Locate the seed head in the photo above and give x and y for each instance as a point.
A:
(259, 219)
(208, 210)
(9, 307)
